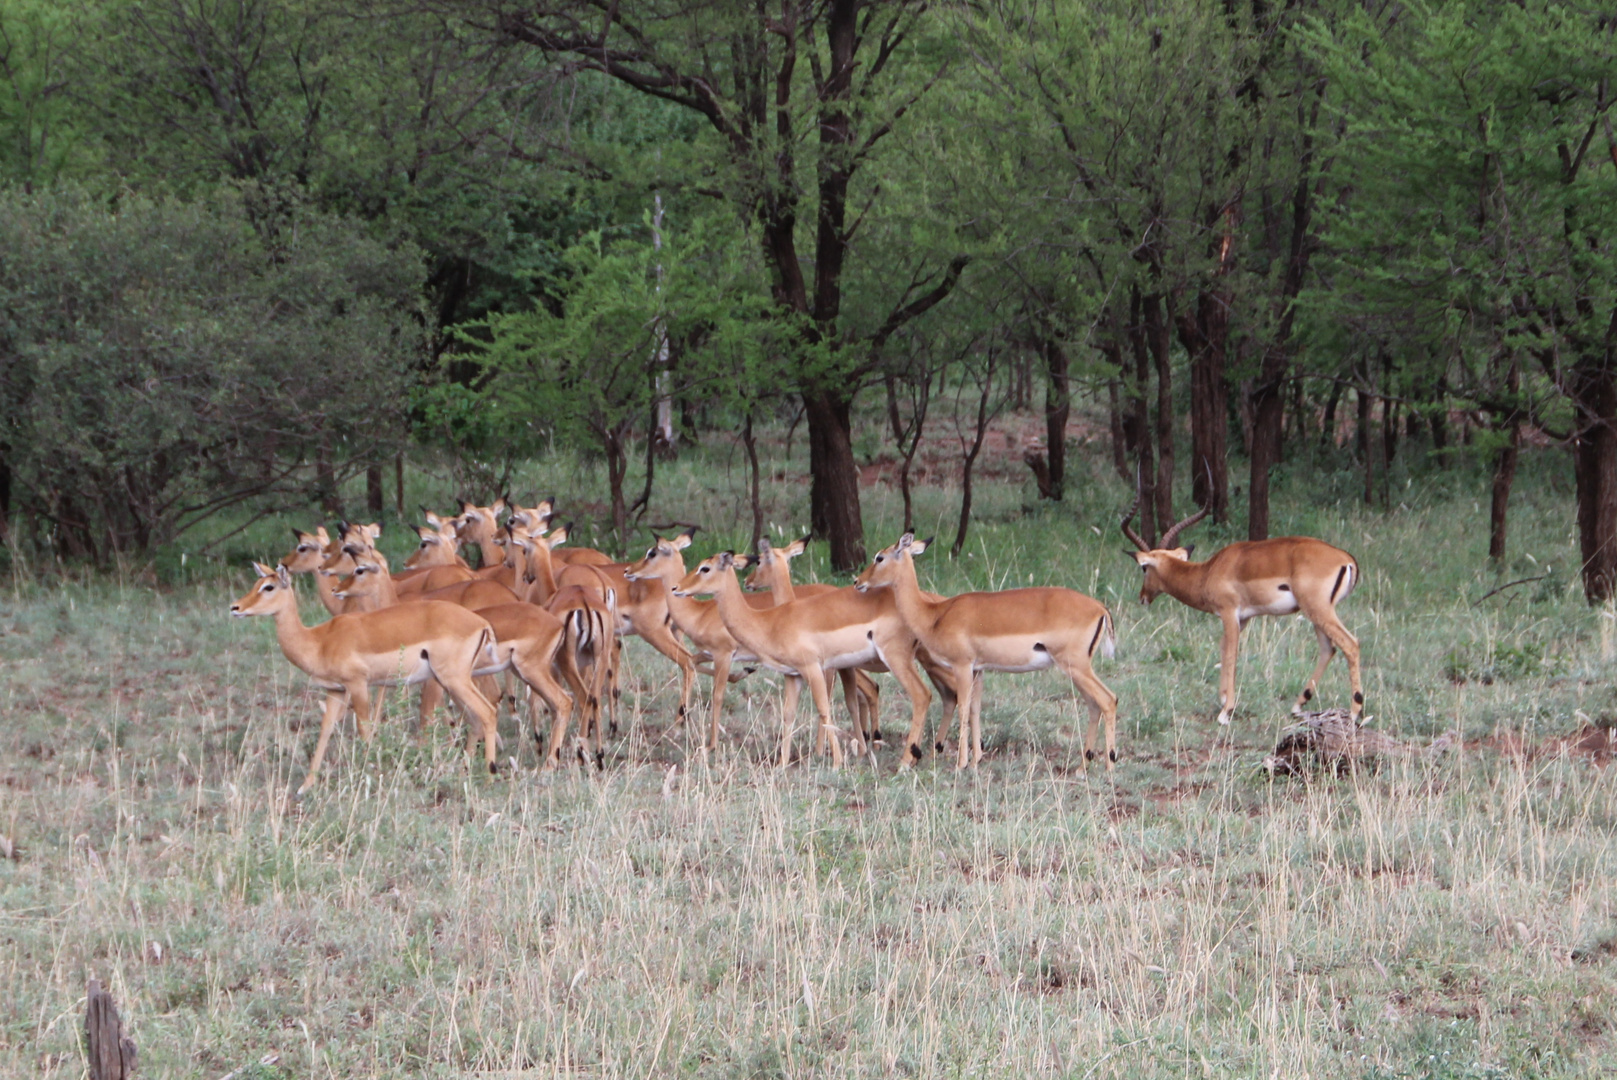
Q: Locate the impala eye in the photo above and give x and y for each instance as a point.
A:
(879, 558)
(267, 588)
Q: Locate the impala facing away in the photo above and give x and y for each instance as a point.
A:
(1013, 630)
(348, 654)
(1281, 576)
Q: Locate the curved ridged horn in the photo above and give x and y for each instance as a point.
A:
(1127, 517)
(1173, 533)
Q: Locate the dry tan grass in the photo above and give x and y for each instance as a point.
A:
(676, 915)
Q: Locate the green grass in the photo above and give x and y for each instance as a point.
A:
(1186, 915)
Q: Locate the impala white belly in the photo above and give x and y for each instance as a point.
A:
(1037, 660)
(852, 658)
(1283, 604)
(404, 669)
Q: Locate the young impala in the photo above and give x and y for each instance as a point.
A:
(1281, 576)
(1013, 630)
(348, 654)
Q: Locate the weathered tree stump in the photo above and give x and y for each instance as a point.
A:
(1335, 740)
(111, 1052)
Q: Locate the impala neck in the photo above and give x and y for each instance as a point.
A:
(297, 641)
(492, 555)
(543, 572)
(684, 609)
(738, 616)
(914, 608)
(1185, 581)
(780, 581)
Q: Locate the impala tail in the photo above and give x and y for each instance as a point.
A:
(1107, 636)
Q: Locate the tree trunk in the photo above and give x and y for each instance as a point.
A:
(1137, 422)
(375, 503)
(398, 483)
(1594, 461)
(1504, 475)
(109, 1053)
(1327, 430)
(971, 460)
(1366, 404)
(1114, 418)
(1049, 466)
(1157, 336)
(751, 444)
(834, 478)
(1268, 413)
(617, 468)
(1204, 333)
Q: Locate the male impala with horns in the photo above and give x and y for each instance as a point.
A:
(1282, 576)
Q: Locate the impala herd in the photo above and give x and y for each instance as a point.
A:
(554, 617)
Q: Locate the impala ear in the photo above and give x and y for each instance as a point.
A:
(1131, 553)
(1190, 549)
(559, 534)
(795, 548)
(765, 549)
(298, 535)
(284, 576)
(263, 571)
(499, 506)
(320, 535)
(373, 530)
(744, 561)
(433, 519)
(683, 540)
(919, 546)
(905, 541)
(427, 535)
(727, 560)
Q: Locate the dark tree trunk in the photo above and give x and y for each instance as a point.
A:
(1327, 430)
(1204, 333)
(1158, 333)
(109, 1053)
(5, 498)
(1137, 422)
(908, 438)
(751, 444)
(1594, 461)
(1050, 466)
(970, 460)
(1504, 469)
(617, 468)
(1439, 423)
(375, 503)
(1366, 455)
(1114, 418)
(398, 483)
(834, 478)
(325, 479)
(1268, 414)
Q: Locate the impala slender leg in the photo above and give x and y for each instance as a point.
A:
(1349, 646)
(432, 695)
(899, 656)
(943, 682)
(721, 678)
(536, 671)
(820, 691)
(480, 717)
(1102, 709)
(964, 684)
(1226, 677)
(870, 698)
(788, 714)
(336, 705)
(364, 721)
(976, 718)
(1326, 650)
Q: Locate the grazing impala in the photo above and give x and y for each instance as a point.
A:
(1282, 576)
(348, 654)
(1013, 630)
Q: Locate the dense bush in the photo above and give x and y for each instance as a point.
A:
(162, 361)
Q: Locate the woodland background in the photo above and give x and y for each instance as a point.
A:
(251, 250)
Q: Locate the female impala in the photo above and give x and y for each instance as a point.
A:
(348, 654)
(1281, 576)
(807, 638)
(1013, 630)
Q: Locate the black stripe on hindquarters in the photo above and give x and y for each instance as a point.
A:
(1340, 574)
(1095, 641)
